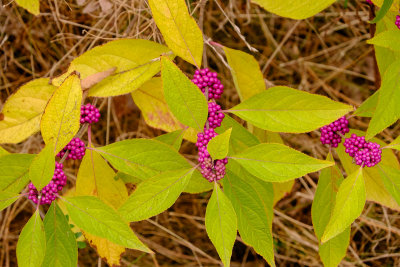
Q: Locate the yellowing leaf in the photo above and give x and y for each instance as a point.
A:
(179, 29)
(60, 121)
(295, 9)
(30, 5)
(246, 73)
(395, 7)
(96, 178)
(133, 61)
(23, 110)
(150, 100)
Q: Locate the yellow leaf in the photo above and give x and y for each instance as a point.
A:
(395, 6)
(96, 178)
(123, 65)
(60, 121)
(179, 29)
(30, 5)
(246, 73)
(20, 117)
(150, 100)
(295, 9)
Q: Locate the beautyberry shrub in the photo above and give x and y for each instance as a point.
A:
(330, 134)
(89, 114)
(49, 192)
(76, 148)
(364, 153)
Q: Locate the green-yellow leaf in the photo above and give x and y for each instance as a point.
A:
(388, 39)
(283, 109)
(221, 224)
(179, 29)
(349, 204)
(368, 107)
(3, 152)
(155, 195)
(31, 246)
(246, 73)
(42, 168)
(60, 120)
(252, 200)
(135, 61)
(14, 171)
(150, 100)
(374, 185)
(198, 184)
(96, 178)
(95, 217)
(23, 110)
(183, 97)
(332, 251)
(218, 147)
(61, 248)
(173, 139)
(7, 198)
(395, 144)
(395, 7)
(391, 180)
(387, 110)
(31, 5)
(278, 163)
(294, 9)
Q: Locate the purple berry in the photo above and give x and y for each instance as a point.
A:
(89, 114)
(214, 117)
(369, 2)
(49, 192)
(207, 80)
(76, 148)
(398, 21)
(330, 134)
(365, 153)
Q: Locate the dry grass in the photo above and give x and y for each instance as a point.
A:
(326, 54)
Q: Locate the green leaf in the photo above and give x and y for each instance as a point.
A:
(241, 138)
(391, 180)
(221, 224)
(368, 107)
(246, 73)
(3, 152)
(134, 61)
(151, 101)
(387, 111)
(183, 97)
(388, 39)
(179, 29)
(95, 217)
(31, 246)
(23, 111)
(382, 11)
(31, 5)
(283, 109)
(173, 139)
(252, 200)
(278, 163)
(14, 171)
(42, 168)
(395, 144)
(198, 184)
(143, 158)
(294, 9)
(332, 251)
(61, 248)
(60, 120)
(374, 185)
(218, 147)
(155, 195)
(349, 204)
(7, 198)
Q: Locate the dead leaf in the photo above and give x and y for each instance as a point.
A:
(96, 78)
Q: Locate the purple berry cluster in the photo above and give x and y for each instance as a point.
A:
(211, 170)
(364, 153)
(207, 81)
(398, 21)
(76, 148)
(330, 134)
(204, 79)
(369, 2)
(214, 117)
(49, 192)
(89, 114)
